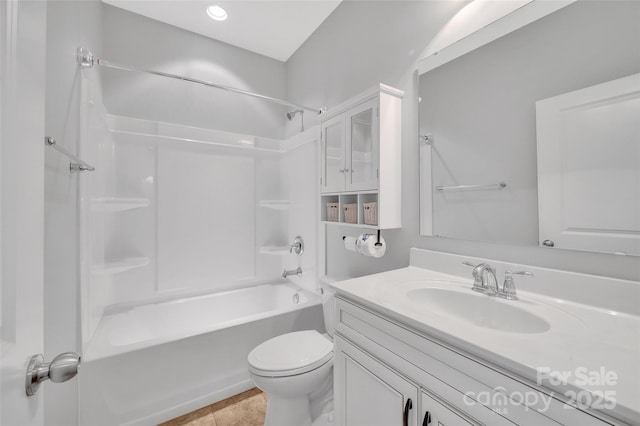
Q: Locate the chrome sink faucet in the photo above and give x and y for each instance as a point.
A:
(486, 282)
(484, 278)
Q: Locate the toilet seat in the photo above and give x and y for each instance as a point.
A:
(291, 354)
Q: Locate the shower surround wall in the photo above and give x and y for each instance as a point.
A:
(174, 211)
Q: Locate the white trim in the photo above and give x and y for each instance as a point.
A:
(500, 26)
(360, 98)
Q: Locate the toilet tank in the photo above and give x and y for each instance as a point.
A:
(328, 297)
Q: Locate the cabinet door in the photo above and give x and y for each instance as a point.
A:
(333, 155)
(367, 393)
(434, 413)
(362, 147)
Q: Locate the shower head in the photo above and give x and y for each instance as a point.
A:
(292, 114)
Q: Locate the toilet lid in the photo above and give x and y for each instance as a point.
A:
(291, 353)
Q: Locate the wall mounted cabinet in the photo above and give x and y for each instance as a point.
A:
(361, 154)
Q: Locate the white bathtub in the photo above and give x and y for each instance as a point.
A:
(152, 363)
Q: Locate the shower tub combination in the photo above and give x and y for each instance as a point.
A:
(177, 286)
(152, 363)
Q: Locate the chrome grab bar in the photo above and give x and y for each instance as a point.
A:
(499, 185)
(77, 165)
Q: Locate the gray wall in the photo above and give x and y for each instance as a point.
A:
(480, 109)
(363, 43)
(142, 42)
(69, 24)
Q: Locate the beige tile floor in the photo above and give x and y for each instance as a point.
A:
(245, 409)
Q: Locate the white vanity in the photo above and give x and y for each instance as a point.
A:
(416, 346)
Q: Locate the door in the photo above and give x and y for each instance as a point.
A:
(367, 393)
(589, 168)
(333, 155)
(22, 94)
(362, 147)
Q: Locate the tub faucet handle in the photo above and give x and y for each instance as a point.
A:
(298, 246)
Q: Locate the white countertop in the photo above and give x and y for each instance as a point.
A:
(581, 340)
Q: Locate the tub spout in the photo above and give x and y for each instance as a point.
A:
(297, 272)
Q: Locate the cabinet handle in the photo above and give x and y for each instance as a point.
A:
(427, 419)
(405, 418)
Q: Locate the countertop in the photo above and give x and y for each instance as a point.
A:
(598, 350)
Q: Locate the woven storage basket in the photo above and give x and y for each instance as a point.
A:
(371, 213)
(332, 212)
(351, 213)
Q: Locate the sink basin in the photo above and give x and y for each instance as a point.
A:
(479, 310)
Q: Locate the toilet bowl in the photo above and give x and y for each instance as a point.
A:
(292, 367)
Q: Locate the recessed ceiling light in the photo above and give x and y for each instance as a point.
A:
(217, 13)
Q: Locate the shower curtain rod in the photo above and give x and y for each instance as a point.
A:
(86, 59)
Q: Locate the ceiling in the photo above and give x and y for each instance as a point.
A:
(274, 28)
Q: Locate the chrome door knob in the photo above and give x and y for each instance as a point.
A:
(62, 368)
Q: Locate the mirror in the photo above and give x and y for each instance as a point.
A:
(534, 137)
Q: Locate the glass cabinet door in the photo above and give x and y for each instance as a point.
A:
(362, 152)
(333, 155)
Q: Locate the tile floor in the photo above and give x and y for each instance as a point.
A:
(245, 409)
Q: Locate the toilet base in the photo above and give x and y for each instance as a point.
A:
(288, 411)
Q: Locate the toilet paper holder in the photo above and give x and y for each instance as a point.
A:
(378, 243)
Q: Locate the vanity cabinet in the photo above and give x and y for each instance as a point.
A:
(361, 158)
(367, 393)
(381, 363)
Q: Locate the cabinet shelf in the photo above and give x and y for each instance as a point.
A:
(275, 204)
(115, 204)
(120, 265)
(360, 200)
(351, 225)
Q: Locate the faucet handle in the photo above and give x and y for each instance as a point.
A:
(298, 246)
(509, 287)
(525, 273)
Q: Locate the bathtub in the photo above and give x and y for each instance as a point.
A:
(151, 363)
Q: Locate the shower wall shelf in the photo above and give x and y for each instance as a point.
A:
(274, 250)
(118, 266)
(113, 205)
(275, 204)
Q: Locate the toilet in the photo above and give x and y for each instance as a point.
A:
(295, 370)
